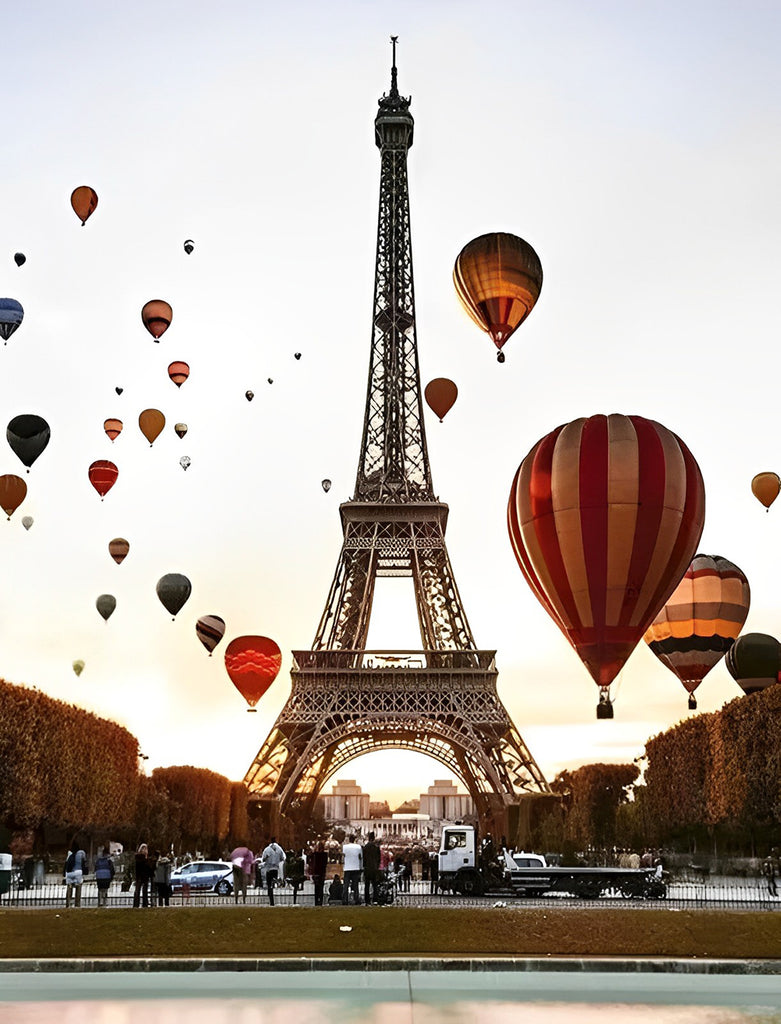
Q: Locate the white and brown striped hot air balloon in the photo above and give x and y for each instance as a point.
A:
(701, 620)
(210, 629)
(604, 516)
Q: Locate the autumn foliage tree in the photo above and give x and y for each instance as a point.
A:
(199, 805)
(591, 796)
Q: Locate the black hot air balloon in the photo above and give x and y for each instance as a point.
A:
(189, 245)
(11, 316)
(20, 259)
(173, 589)
(28, 435)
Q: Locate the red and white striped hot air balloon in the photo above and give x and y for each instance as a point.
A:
(605, 515)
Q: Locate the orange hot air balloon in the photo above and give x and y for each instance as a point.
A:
(605, 514)
(13, 491)
(701, 620)
(103, 475)
(84, 200)
(113, 429)
(253, 663)
(151, 422)
(441, 395)
(498, 278)
(178, 372)
(118, 549)
(766, 488)
(157, 316)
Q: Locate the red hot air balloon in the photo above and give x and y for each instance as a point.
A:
(178, 372)
(604, 516)
(113, 428)
(253, 663)
(157, 316)
(441, 395)
(84, 201)
(103, 475)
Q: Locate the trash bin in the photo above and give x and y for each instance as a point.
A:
(5, 873)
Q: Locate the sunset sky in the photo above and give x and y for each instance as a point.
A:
(637, 147)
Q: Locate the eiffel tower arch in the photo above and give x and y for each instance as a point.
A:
(440, 700)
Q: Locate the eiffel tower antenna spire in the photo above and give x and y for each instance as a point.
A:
(440, 700)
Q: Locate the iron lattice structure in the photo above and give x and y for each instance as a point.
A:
(441, 700)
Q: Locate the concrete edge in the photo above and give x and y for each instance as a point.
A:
(587, 965)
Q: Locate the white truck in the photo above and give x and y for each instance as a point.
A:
(467, 870)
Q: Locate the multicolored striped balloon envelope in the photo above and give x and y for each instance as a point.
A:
(701, 620)
(210, 629)
(604, 516)
(253, 663)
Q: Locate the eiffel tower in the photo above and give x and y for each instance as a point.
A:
(440, 700)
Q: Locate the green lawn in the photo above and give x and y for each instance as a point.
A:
(392, 931)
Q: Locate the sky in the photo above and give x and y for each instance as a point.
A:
(637, 147)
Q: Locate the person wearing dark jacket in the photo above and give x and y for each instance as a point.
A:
(371, 870)
(143, 877)
(319, 864)
(335, 890)
(104, 872)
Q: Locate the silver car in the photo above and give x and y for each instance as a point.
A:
(204, 875)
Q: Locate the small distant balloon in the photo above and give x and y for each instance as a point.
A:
(157, 316)
(151, 422)
(766, 488)
(441, 395)
(184, 462)
(210, 629)
(113, 429)
(189, 245)
(27, 522)
(28, 436)
(20, 259)
(297, 355)
(249, 395)
(173, 589)
(103, 475)
(106, 604)
(326, 485)
(11, 316)
(13, 491)
(84, 200)
(119, 390)
(180, 429)
(78, 666)
(118, 549)
(271, 380)
(178, 372)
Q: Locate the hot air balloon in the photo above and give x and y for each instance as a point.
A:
(210, 629)
(184, 462)
(118, 549)
(271, 380)
(103, 475)
(441, 394)
(249, 395)
(84, 200)
(604, 516)
(754, 661)
(326, 485)
(78, 666)
(113, 428)
(173, 589)
(106, 604)
(27, 522)
(701, 620)
(296, 355)
(119, 390)
(13, 491)
(11, 315)
(157, 316)
(20, 259)
(189, 245)
(498, 278)
(253, 663)
(766, 488)
(178, 372)
(151, 422)
(28, 435)
(181, 429)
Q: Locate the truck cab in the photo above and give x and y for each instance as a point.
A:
(457, 849)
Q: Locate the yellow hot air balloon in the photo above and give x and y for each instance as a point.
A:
(498, 278)
(151, 422)
(78, 666)
(766, 488)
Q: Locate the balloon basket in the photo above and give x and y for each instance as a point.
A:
(692, 702)
(252, 711)
(604, 709)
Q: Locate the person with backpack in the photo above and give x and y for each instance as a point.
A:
(75, 870)
(104, 873)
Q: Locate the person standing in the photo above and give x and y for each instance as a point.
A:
(371, 870)
(294, 872)
(271, 860)
(769, 869)
(433, 870)
(104, 873)
(352, 855)
(319, 863)
(75, 870)
(143, 877)
(162, 880)
(243, 861)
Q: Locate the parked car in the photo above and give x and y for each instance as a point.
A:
(209, 875)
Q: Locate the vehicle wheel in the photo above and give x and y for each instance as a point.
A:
(468, 883)
(223, 888)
